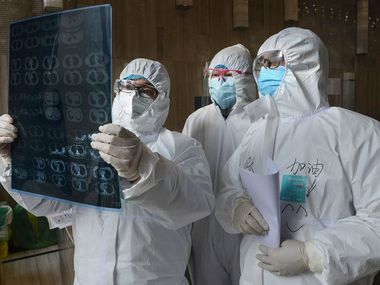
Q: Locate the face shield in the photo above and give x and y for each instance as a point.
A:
(222, 72)
(222, 87)
(268, 60)
(269, 70)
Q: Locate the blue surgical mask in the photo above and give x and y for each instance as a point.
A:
(223, 91)
(270, 79)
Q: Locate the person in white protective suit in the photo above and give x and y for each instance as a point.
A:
(219, 127)
(329, 173)
(164, 180)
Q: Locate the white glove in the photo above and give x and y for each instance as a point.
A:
(8, 133)
(247, 219)
(120, 148)
(290, 259)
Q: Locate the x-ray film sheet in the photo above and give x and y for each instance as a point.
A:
(60, 92)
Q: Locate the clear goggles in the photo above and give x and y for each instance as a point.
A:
(268, 59)
(144, 90)
(223, 72)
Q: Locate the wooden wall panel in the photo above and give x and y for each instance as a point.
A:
(362, 27)
(240, 14)
(256, 32)
(183, 40)
(181, 105)
(45, 268)
(290, 10)
(202, 24)
(220, 19)
(367, 87)
(3, 83)
(335, 23)
(28, 267)
(148, 31)
(377, 95)
(362, 84)
(175, 33)
(190, 31)
(273, 16)
(184, 4)
(186, 39)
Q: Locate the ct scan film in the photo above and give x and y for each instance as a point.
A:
(60, 92)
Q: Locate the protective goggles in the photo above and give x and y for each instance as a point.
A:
(223, 72)
(268, 59)
(144, 90)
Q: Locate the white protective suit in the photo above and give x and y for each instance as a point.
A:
(337, 151)
(148, 242)
(215, 253)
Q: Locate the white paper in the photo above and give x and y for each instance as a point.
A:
(265, 194)
(61, 220)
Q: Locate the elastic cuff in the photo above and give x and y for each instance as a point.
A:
(5, 169)
(237, 202)
(134, 179)
(315, 262)
(5, 160)
(146, 171)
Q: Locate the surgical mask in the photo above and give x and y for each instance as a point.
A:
(223, 91)
(134, 104)
(270, 79)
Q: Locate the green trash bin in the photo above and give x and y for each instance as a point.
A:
(31, 232)
(5, 220)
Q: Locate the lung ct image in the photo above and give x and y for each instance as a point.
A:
(60, 92)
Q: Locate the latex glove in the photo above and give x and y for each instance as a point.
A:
(120, 148)
(8, 133)
(290, 259)
(247, 219)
